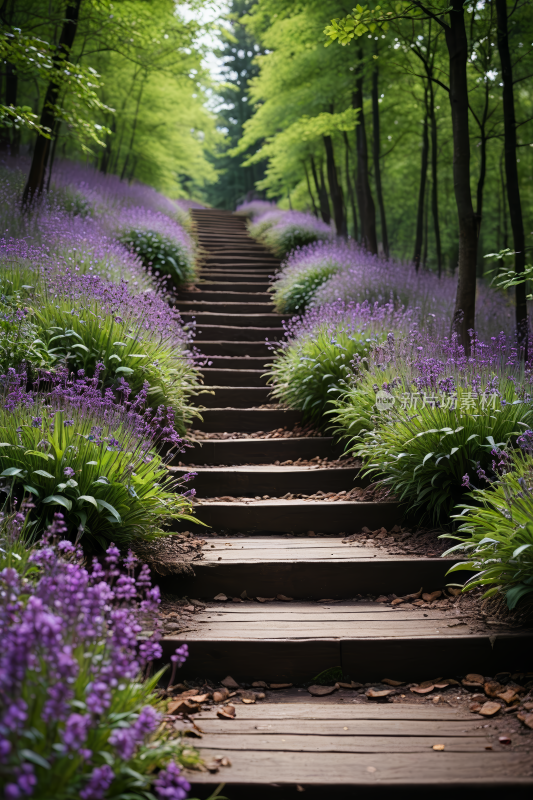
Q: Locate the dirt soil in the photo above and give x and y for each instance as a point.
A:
(277, 433)
(358, 493)
(171, 554)
(316, 462)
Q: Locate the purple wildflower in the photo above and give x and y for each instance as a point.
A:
(170, 785)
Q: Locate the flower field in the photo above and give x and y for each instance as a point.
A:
(97, 386)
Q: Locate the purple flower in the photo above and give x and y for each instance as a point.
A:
(68, 472)
(181, 655)
(98, 783)
(466, 481)
(124, 742)
(75, 730)
(170, 785)
(24, 785)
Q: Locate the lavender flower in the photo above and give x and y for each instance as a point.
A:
(170, 785)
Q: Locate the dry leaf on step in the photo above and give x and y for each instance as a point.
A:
(265, 599)
(381, 599)
(220, 695)
(182, 707)
(527, 719)
(284, 598)
(280, 685)
(200, 698)
(221, 597)
(489, 709)
(391, 682)
(430, 596)
(320, 691)
(259, 685)
(373, 694)
(508, 696)
(422, 689)
(474, 677)
(227, 712)
(229, 683)
(438, 747)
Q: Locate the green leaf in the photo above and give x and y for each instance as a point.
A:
(125, 370)
(35, 758)
(39, 454)
(59, 500)
(11, 472)
(43, 473)
(109, 507)
(520, 549)
(88, 499)
(516, 593)
(31, 489)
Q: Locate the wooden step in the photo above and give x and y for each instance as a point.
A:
(234, 362)
(236, 333)
(235, 280)
(251, 481)
(304, 568)
(294, 641)
(234, 396)
(218, 298)
(260, 451)
(348, 750)
(296, 516)
(240, 308)
(235, 320)
(225, 347)
(247, 419)
(234, 377)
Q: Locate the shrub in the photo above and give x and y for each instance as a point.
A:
(314, 365)
(496, 534)
(78, 717)
(294, 292)
(95, 460)
(84, 320)
(255, 208)
(438, 418)
(17, 330)
(292, 229)
(161, 244)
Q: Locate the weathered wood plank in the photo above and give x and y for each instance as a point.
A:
(348, 711)
(246, 420)
(364, 743)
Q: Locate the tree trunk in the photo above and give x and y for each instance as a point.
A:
(376, 157)
(434, 178)
(311, 195)
(465, 301)
(321, 192)
(335, 189)
(11, 137)
(511, 170)
(349, 185)
(41, 152)
(367, 210)
(419, 236)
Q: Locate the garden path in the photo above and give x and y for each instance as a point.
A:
(290, 553)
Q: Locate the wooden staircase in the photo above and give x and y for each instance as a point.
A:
(321, 746)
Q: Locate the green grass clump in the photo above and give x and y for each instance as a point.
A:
(107, 481)
(161, 253)
(496, 534)
(295, 291)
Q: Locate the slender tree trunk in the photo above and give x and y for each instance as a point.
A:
(426, 231)
(376, 158)
(55, 137)
(335, 189)
(311, 195)
(10, 138)
(133, 130)
(41, 152)
(465, 301)
(365, 201)
(106, 155)
(321, 192)
(511, 170)
(434, 178)
(349, 185)
(503, 189)
(419, 235)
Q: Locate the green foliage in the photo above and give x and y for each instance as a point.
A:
(496, 535)
(18, 331)
(296, 291)
(422, 456)
(160, 252)
(282, 239)
(127, 347)
(309, 373)
(115, 488)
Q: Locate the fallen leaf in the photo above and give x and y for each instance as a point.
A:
(413, 596)
(397, 601)
(489, 709)
(182, 707)
(492, 688)
(528, 706)
(188, 608)
(451, 681)
(453, 591)
(429, 597)
(474, 677)
(455, 623)
(391, 682)
(220, 695)
(244, 595)
(438, 747)
(265, 599)
(237, 600)
(248, 700)
(381, 599)
(504, 739)
(474, 707)
(229, 683)
(436, 699)
(320, 691)
(260, 695)
(507, 696)
(351, 685)
(371, 769)
(418, 603)
(280, 685)
(227, 712)
(284, 598)
(527, 719)
(223, 761)
(200, 698)
(260, 685)
(211, 766)
(372, 694)
(422, 689)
